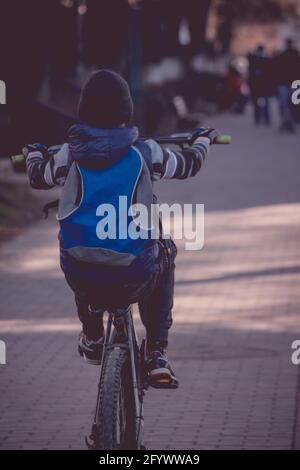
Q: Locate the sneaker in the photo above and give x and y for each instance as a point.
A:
(160, 373)
(90, 350)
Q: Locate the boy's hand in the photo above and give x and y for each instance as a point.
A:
(42, 149)
(209, 133)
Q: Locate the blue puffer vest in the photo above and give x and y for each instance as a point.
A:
(103, 152)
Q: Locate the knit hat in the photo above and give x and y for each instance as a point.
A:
(105, 100)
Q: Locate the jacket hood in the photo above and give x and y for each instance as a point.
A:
(92, 146)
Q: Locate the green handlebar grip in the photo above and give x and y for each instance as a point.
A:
(222, 139)
(18, 158)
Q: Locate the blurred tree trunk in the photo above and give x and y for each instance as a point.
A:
(135, 64)
(161, 23)
(105, 33)
(197, 15)
(226, 15)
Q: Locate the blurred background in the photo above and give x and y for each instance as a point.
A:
(224, 63)
(184, 59)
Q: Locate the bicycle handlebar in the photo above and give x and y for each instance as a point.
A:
(187, 139)
(181, 139)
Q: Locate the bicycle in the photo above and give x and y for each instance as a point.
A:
(118, 418)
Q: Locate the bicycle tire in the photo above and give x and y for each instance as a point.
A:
(116, 421)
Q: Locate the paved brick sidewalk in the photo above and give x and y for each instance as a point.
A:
(236, 314)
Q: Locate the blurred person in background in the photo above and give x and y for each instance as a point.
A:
(260, 84)
(287, 69)
(234, 94)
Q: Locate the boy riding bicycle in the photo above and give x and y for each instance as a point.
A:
(103, 160)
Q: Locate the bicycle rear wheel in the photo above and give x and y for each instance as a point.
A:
(115, 419)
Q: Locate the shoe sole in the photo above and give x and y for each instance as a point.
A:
(162, 375)
(162, 379)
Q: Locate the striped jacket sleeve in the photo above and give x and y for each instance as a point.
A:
(45, 173)
(168, 164)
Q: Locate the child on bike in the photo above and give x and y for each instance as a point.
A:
(102, 160)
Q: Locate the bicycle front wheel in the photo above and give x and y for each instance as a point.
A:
(116, 420)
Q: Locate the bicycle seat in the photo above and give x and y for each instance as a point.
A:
(119, 311)
(111, 310)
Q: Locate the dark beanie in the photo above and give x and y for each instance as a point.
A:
(105, 100)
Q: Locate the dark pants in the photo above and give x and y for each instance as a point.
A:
(154, 297)
(286, 109)
(261, 110)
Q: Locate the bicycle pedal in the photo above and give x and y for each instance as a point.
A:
(165, 384)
